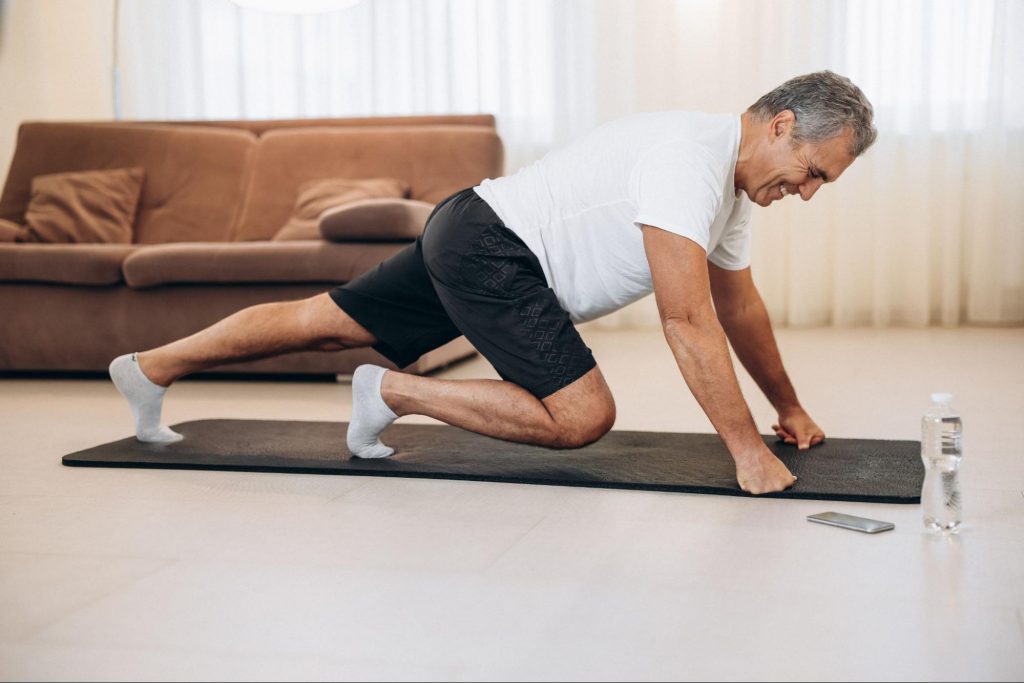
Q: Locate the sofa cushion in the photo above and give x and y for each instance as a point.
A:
(83, 206)
(318, 196)
(252, 262)
(436, 161)
(195, 176)
(376, 220)
(77, 264)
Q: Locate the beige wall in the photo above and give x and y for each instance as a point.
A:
(55, 63)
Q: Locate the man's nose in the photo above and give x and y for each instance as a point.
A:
(808, 189)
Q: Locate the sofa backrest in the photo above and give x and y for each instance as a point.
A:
(261, 126)
(436, 161)
(195, 176)
(238, 180)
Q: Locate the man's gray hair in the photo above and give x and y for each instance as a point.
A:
(826, 105)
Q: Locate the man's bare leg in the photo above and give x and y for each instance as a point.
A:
(577, 414)
(574, 416)
(315, 324)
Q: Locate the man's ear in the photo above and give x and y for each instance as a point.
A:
(782, 122)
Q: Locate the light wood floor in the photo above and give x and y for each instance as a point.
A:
(164, 575)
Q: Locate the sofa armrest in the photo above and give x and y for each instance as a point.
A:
(252, 262)
(375, 220)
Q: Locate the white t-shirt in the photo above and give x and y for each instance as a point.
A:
(580, 208)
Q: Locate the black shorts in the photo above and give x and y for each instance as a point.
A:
(468, 274)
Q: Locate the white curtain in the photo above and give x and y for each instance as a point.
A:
(518, 59)
(926, 228)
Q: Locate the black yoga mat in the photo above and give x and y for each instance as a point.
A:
(838, 469)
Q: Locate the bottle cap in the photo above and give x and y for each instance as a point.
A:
(942, 399)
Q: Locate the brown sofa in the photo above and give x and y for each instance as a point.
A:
(214, 194)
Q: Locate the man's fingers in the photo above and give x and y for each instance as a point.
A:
(801, 441)
(785, 436)
(758, 489)
(811, 441)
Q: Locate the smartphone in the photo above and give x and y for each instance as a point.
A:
(868, 526)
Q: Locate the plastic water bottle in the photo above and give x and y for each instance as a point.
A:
(941, 451)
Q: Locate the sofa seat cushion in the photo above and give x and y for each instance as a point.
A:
(75, 264)
(253, 262)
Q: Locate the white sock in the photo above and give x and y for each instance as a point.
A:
(145, 399)
(370, 414)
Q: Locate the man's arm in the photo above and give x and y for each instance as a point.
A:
(743, 316)
(682, 288)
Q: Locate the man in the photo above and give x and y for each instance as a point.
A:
(653, 202)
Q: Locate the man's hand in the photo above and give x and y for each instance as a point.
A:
(763, 473)
(796, 427)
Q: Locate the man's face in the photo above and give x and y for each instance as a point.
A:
(784, 170)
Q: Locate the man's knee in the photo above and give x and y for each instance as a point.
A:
(330, 328)
(581, 412)
(586, 428)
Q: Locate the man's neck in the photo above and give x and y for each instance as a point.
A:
(746, 151)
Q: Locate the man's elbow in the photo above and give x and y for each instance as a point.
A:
(733, 313)
(689, 321)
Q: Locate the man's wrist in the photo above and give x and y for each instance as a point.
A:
(749, 449)
(789, 407)
(752, 456)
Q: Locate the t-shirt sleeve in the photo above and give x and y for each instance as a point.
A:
(677, 189)
(733, 250)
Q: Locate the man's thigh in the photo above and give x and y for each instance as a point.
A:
(493, 289)
(397, 305)
(528, 338)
